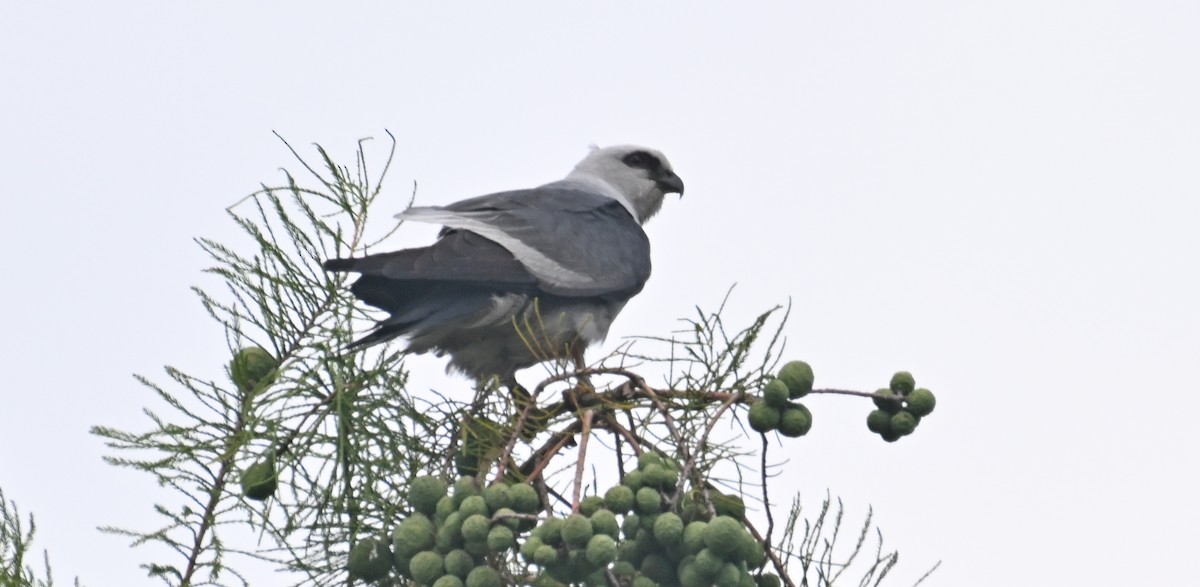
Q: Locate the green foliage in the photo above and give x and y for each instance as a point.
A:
(16, 538)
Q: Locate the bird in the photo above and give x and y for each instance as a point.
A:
(517, 278)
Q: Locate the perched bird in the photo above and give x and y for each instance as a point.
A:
(521, 277)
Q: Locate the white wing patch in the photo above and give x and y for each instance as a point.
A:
(539, 264)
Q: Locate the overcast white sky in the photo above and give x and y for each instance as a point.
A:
(1001, 197)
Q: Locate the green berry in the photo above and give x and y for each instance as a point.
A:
(507, 517)
(524, 498)
(776, 393)
(425, 567)
(550, 531)
(500, 539)
(890, 406)
(769, 580)
(497, 496)
(370, 560)
(902, 383)
(252, 368)
(484, 576)
(425, 493)
(475, 528)
(649, 501)
(545, 554)
(605, 522)
(259, 481)
(474, 505)
(576, 530)
(448, 581)
(690, 574)
(633, 480)
(798, 377)
(723, 535)
(668, 529)
(644, 582)
(463, 488)
(921, 402)
(658, 568)
(693, 537)
(601, 550)
(763, 418)
(904, 423)
(648, 458)
(729, 576)
(415, 534)
(795, 421)
(879, 421)
(709, 562)
(619, 499)
(590, 504)
(459, 562)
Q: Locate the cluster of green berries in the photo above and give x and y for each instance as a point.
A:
(447, 539)
(653, 543)
(900, 407)
(776, 410)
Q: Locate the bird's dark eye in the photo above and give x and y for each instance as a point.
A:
(642, 160)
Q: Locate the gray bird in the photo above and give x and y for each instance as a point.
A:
(521, 277)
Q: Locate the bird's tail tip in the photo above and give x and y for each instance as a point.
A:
(339, 264)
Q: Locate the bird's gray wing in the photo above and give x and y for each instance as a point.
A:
(457, 256)
(575, 243)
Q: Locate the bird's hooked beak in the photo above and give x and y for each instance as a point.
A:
(670, 183)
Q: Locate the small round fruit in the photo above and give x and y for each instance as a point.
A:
(425, 567)
(601, 550)
(648, 458)
(370, 560)
(769, 580)
(890, 406)
(795, 421)
(524, 498)
(763, 418)
(693, 537)
(545, 554)
(902, 383)
(605, 522)
(590, 504)
(259, 481)
(904, 423)
(448, 581)
(424, 493)
(475, 528)
(484, 576)
(921, 402)
(776, 393)
(619, 499)
(879, 421)
(463, 488)
(668, 529)
(723, 535)
(415, 534)
(474, 505)
(500, 539)
(649, 501)
(497, 496)
(576, 530)
(459, 562)
(251, 368)
(798, 377)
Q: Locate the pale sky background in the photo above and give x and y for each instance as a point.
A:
(1002, 197)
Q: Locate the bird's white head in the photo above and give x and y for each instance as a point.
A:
(636, 176)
